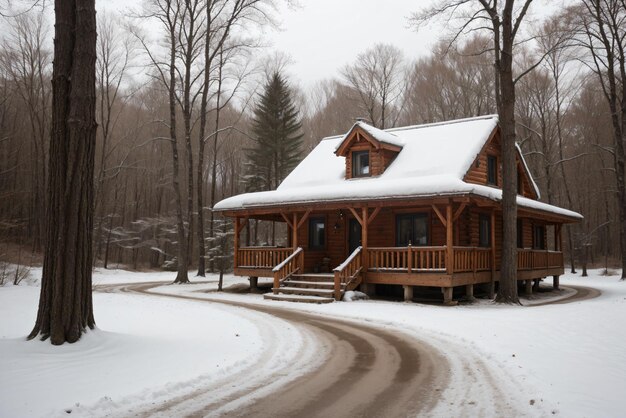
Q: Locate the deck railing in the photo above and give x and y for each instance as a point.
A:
(261, 257)
(538, 259)
(472, 259)
(292, 264)
(348, 271)
(412, 259)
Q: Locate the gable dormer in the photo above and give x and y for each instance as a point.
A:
(368, 151)
(487, 168)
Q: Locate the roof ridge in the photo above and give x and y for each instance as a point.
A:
(424, 125)
(447, 122)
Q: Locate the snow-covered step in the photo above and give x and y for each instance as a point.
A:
(308, 284)
(298, 298)
(329, 293)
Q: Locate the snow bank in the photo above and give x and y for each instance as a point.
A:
(145, 349)
(354, 295)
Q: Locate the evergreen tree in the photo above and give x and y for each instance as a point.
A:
(277, 133)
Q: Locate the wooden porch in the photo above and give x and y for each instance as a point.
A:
(445, 266)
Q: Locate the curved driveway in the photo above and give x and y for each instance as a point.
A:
(362, 370)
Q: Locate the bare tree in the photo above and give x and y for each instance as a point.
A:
(26, 60)
(115, 48)
(601, 30)
(503, 21)
(378, 78)
(65, 304)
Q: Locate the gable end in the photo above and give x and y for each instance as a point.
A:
(477, 172)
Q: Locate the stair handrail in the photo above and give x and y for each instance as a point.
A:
(348, 271)
(289, 266)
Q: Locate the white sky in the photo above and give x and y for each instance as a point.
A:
(321, 36)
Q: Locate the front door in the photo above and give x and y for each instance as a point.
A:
(354, 235)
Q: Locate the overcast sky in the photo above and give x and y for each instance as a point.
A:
(321, 36)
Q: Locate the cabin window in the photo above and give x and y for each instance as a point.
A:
(520, 234)
(412, 229)
(492, 170)
(360, 163)
(484, 231)
(317, 233)
(539, 237)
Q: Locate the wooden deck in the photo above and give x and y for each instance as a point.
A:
(408, 266)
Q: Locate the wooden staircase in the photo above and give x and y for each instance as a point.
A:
(291, 284)
(307, 288)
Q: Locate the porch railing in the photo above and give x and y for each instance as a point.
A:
(472, 259)
(538, 259)
(348, 271)
(261, 257)
(294, 263)
(411, 259)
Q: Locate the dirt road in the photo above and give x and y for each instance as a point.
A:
(362, 370)
(582, 293)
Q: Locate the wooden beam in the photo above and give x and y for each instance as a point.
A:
(492, 287)
(365, 222)
(294, 231)
(439, 215)
(240, 227)
(356, 215)
(449, 239)
(304, 218)
(459, 211)
(236, 243)
(373, 214)
(286, 218)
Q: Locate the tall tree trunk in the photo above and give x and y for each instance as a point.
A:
(65, 303)
(182, 257)
(507, 292)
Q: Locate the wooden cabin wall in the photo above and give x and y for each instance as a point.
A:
(478, 175)
(335, 242)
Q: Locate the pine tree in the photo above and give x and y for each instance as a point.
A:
(277, 132)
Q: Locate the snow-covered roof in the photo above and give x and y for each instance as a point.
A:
(386, 137)
(433, 162)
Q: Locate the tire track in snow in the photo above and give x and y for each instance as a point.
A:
(345, 368)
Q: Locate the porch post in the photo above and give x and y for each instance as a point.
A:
(365, 221)
(557, 236)
(294, 231)
(449, 239)
(492, 286)
(236, 243)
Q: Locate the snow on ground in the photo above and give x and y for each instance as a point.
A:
(145, 349)
(567, 359)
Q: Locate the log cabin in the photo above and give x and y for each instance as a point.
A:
(416, 206)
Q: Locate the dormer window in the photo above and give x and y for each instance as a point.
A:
(360, 163)
(492, 170)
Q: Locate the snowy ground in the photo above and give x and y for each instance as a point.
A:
(146, 349)
(566, 359)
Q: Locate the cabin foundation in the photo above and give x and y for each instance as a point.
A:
(555, 282)
(408, 293)
(528, 287)
(254, 283)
